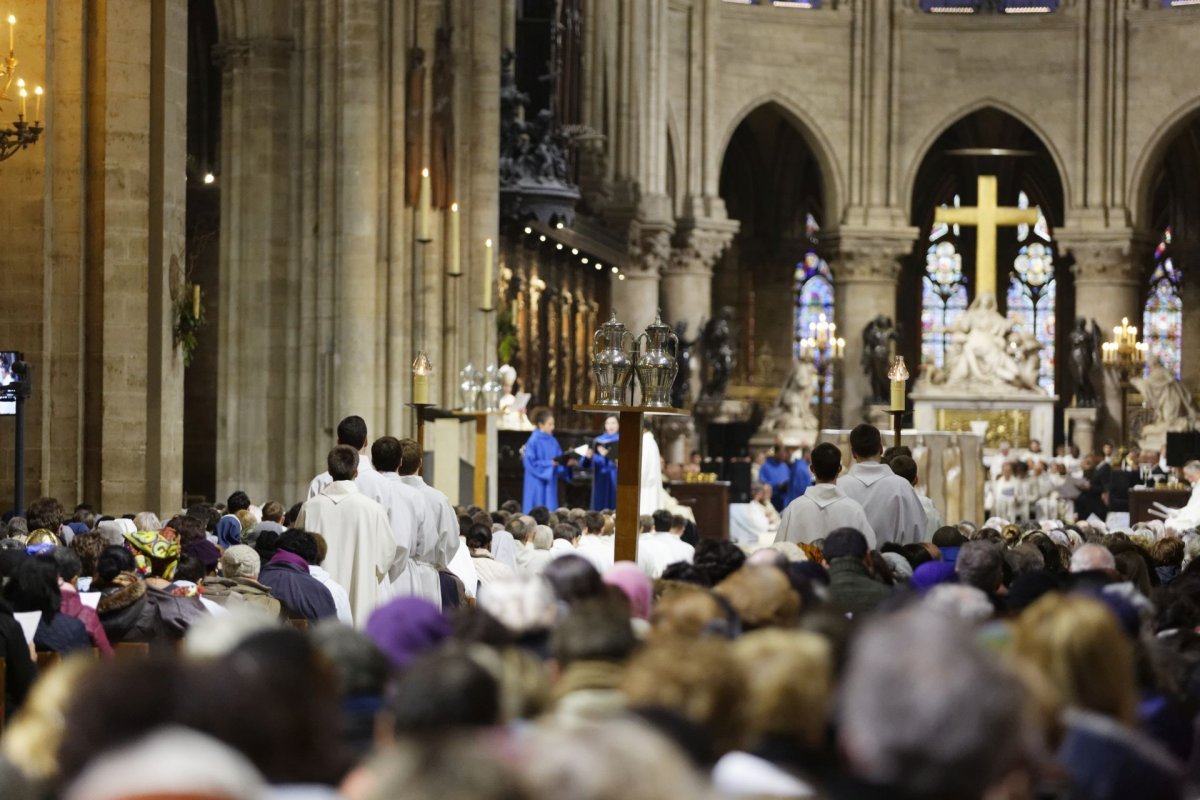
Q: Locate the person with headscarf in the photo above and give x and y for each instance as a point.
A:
(229, 531)
(405, 628)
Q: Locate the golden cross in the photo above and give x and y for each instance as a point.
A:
(986, 217)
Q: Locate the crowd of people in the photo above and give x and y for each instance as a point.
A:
(374, 641)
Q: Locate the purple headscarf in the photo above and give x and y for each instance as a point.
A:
(405, 628)
(930, 574)
(629, 578)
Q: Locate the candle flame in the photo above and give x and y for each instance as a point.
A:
(425, 172)
(454, 208)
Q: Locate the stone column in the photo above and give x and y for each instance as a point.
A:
(687, 279)
(1107, 274)
(865, 269)
(1186, 254)
(250, 313)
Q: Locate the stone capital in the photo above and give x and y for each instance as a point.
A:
(699, 243)
(1109, 256)
(868, 255)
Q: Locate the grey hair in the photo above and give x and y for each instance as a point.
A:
(543, 537)
(924, 711)
(1092, 556)
(980, 563)
(360, 667)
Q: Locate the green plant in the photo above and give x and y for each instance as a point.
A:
(189, 319)
(506, 335)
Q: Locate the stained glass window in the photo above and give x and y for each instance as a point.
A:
(943, 291)
(1162, 317)
(1033, 291)
(813, 284)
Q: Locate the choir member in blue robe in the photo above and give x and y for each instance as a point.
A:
(777, 471)
(801, 478)
(603, 465)
(544, 463)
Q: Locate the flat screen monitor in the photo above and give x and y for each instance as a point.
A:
(8, 382)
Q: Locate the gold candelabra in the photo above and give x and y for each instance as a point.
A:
(826, 349)
(1125, 357)
(22, 133)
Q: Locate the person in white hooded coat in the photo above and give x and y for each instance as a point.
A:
(890, 502)
(823, 507)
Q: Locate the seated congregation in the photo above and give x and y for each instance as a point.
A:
(375, 642)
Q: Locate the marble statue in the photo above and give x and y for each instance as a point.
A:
(879, 338)
(1085, 346)
(717, 341)
(792, 411)
(1170, 402)
(986, 355)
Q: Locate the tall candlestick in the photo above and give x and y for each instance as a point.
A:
(452, 244)
(23, 95)
(12, 24)
(195, 301)
(487, 275)
(421, 369)
(37, 93)
(898, 375)
(423, 202)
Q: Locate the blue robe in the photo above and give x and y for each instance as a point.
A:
(801, 479)
(541, 471)
(779, 475)
(604, 473)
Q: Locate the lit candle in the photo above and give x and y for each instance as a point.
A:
(195, 301)
(37, 93)
(12, 25)
(23, 95)
(898, 375)
(452, 243)
(840, 350)
(423, 202)
(487, 275)
(421, 369)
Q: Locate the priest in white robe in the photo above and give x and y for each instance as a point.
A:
(824, 507)
(408, 514)
(889, 501)
(439, 535)
(1188, 517)
(361, 549)
(662, 548)
(654, 495)
(352, 432)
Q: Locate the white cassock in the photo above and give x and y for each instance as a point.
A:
(463, 566)
(1006, 498)
(653, 495)
(366, 479)
(531, 561)
(657, 551)
(1187, 517)
(889, 501)
(822, 509)
(440, 538)
(747, 523)
(933, 517)
(362, 551)
(489, 569)
(341, 598)
(598, 549)
(408, 513)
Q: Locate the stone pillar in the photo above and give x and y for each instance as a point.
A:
(1107, 274)
(636, 299)
(687, 279)
(865, 269)
(1186, 254)
(252, 310)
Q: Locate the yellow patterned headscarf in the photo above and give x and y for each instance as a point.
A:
(156, 553)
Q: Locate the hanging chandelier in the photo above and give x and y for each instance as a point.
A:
(22, 132)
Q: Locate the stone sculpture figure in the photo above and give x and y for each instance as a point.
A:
(878, 339)
(793, 409)
(1085, 345)
(718, 354)
(1168, 398)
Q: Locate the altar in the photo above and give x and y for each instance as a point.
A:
(1016, 418)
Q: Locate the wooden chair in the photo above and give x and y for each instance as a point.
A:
(299, 623)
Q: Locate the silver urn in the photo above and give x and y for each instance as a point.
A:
(470, 386)
(492, 389)
(612, 363)
(656, 366)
